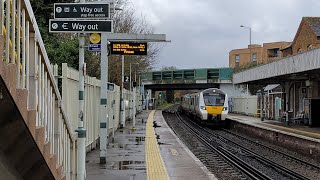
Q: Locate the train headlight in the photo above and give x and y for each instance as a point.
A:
(225, 109)
(203, 107)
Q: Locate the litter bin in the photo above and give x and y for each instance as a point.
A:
(150, 106)
(306, 119)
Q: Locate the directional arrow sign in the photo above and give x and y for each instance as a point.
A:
(81, 10)
(76, 26)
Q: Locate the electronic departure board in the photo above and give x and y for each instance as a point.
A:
(128, 48)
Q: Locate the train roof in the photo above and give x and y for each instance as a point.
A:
(216, 90)
(206, 90)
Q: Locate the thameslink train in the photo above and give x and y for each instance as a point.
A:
(210, 106)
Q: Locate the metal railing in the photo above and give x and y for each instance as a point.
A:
(24, 47)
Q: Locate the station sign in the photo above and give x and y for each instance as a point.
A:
(128, 48)
(95, 42)
(126, 79)
(81, 10)
(80, 26)
(110, 87)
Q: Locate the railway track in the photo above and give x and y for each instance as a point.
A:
(245, 160)
(211, 159)
(298, 160)
(282, 160)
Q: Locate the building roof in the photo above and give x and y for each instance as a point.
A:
(314, 23)
(288, 46)
(270, 87)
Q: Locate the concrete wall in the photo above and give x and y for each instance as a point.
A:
(234, 90)
(244, 105)
(70, 88)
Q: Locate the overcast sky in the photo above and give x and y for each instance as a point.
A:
(204, 31)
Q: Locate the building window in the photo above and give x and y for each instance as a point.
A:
(237, 59)
(254, 57)
(309, 47)
(273, 52)
(299, 50)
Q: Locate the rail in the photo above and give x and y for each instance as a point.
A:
(25, 48)
(291, 173)
(246, 168)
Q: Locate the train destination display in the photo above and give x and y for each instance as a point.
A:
(128, 48)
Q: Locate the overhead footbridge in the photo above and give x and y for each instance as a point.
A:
(184, 79)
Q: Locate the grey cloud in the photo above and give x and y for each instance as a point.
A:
(204, 31)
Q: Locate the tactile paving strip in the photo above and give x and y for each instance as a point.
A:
(155, 165)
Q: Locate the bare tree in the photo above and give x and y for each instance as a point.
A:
(127, 21)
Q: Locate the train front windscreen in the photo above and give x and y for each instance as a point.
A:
(213, 99)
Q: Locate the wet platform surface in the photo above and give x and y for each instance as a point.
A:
(181, 164)
(312, 133)
(126, 157)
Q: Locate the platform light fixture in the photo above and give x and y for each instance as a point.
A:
(248, 27)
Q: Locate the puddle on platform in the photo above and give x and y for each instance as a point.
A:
(127, 165)
(138, 129)
(138, 140)
(122, 146)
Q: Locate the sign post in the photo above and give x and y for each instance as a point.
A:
(95, 42)
(128, 48)
(104, 124)
(123, 108)
(86, 18)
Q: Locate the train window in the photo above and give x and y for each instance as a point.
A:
(214, 99)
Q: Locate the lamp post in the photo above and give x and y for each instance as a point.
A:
(250, 60)
(133, 113)
(249, 40)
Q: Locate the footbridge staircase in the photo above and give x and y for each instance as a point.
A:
(36, 139)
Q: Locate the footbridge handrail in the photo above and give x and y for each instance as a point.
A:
(25, 49)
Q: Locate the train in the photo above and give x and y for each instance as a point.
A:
(209, 106)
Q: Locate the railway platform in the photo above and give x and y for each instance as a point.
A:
(296, 130)
(298, 138)
(150, 151)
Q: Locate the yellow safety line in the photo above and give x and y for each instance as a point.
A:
(155, 165)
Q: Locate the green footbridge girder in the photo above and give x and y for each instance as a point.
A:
(205, 75)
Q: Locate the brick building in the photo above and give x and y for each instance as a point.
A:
(306, 38)
(259, 54)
